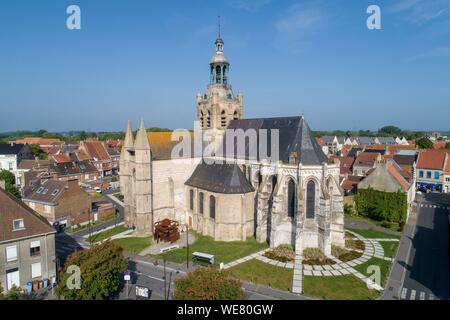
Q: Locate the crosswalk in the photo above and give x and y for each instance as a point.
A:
(412, 294)
(435, 206)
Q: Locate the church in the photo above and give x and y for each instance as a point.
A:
(291, 196)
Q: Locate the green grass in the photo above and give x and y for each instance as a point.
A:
(372, 234)
(108, 233)
(259, 272)
(383, 264)
(133, 244)
(224, 251)
(390, 248)
(394, 226)
(337, 288)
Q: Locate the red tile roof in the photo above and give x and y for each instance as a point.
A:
(432, 159)
(397, 176)
(61, 158)
(366, 158)
(346, 164)
(97, 150)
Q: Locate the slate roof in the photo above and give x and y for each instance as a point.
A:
(48, 191)
(386, 140)
(405, 159)
(12, 209)
(295, 137)
(11, 149)
(220, 178)
(365, 140)
(73, 168)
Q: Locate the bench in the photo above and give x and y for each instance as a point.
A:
(202, 258)
(175, 246)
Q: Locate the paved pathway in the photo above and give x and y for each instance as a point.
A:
(372, 249)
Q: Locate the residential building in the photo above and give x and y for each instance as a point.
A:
(99, 155)
(430, 169)
(27, 244)
(45, 144)
(11, 155)
(366, 161)
(62, 203)
(387, 177)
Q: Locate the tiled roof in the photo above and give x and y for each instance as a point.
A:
(97, 150)
(12, 209)
(346, 164)
(73, 168)
(39, 141)
(431, 159)
(31, 164)
(61, 158)
(161, 145)
(366, 159)
(47, 192)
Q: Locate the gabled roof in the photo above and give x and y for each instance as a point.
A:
(295, 138)
(385, 177)
(97, 150)
(386, 140)
(12, 209)
(73, 168)
(432, 159)
(365, 140)
(161, 145)
(27, 164)
(220, 178)
(404, 159)
(328, 139)
(39, 141)
(48, 191)
(366, 159)
(346, 164)
(11, 148)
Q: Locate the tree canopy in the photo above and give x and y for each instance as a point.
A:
(390, 131)
(208, 284)
(424, 143)
(10, 183)
(100, 267)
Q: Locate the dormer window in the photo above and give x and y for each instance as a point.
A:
(18, 225)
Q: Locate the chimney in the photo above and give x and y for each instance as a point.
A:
(2, 184)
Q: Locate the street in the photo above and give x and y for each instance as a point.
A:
(421, 270)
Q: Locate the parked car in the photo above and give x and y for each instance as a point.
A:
(98, 190)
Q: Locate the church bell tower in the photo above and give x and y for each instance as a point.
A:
(218, 106)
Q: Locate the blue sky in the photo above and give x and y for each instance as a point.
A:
(149, 58)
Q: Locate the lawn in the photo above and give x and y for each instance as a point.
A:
(394, 226)
(133, 244)
(262, 273)
(224, 251)
(390, 248)
(383, 264)
(372, 234)
(108, 233)
(337, 288)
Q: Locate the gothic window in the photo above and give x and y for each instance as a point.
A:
(225, 75)
(200, 202)
(223, 119)
(236, 115)
(310, 199)
(212, 207)
(212, 75)
(208, 120)
(292, 208)
(191, 199)
(201, 119)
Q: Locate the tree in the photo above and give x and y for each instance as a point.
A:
(424, 143)
(10, 183)
(390, 131)
(38, 152)
(15, 293)
(208, 284)
(100, 267)
(447, 145)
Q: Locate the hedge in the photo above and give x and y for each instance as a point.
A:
(381, 206)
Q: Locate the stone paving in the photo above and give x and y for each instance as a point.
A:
(373, 249)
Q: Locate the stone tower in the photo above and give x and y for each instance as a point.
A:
(218, 105)
(142, 186)
(126, 165)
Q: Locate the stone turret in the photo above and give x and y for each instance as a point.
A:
(125, 173)
(143, 183)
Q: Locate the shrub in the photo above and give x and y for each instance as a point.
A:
(15, 293)
(345, 255)
(379, 205)
(401, 226)
(385, 224)
(348, 209)
(283, 253)
(313, 256)
(208, 284)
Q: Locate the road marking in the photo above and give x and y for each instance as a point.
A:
(413, 295)
(422, 295)
(404, 291)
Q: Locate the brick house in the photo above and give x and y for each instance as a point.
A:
(99, 154)
(62, 203)
(366, 161)
(27, 244)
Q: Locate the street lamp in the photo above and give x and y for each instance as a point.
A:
(187, 245)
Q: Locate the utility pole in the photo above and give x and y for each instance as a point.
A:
(187, 246)
(165, 279)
